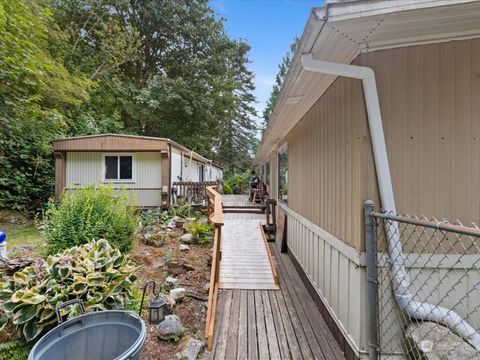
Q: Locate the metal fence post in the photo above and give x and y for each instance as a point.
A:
(372, 291)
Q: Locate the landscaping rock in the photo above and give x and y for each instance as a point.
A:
(184, 247)
(157, 239)
(432, 341)
(191, 347)
(170, 304)
(170, 329)
(177, 294)
(171, 281)
(148, 230)
(175, 266)
(186, 238)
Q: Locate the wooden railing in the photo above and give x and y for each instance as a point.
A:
(215, 217)
(192, 192)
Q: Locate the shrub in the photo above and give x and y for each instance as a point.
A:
(95, 272)
(238, 183)
(87, 214)
(202, 233)
(227, 189)
(183, 211)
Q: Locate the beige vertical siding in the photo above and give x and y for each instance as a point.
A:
(324, 155)
(429, 98)
(86, 168)
(430, 102)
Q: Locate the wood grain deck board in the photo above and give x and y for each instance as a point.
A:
(266, 324)
(245, 262)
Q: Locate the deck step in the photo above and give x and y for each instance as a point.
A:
(243, 211)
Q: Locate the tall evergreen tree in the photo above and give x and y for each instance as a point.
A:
(279, 80)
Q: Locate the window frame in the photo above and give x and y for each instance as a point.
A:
(282, 150)
(118, 180)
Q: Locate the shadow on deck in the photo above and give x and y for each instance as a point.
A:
(268, 324)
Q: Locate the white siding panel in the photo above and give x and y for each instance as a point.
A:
(335, 275)
(86, 168)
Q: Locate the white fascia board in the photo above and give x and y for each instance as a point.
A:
(359, 9)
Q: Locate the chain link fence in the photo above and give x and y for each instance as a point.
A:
(424, 287)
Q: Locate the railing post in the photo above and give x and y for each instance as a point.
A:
(209, 209)
(372, 291)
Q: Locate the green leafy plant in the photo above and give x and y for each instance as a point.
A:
(227, 189)
(14, 350)
(96, 273)
(183, 211)
(90, 213)
(202, 232)
(237, 183)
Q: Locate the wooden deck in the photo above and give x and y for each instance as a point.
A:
(263, 324)
(245, 262)
(235, 201)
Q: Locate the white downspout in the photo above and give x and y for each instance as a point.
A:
(399, 274)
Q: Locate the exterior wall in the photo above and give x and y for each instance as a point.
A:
(429, 98)
(86, 168)
(213, 173)
(176, 166)
(430, 109)
(337, 272)
(325, 162)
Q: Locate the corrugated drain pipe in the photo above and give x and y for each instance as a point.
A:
(399, 274)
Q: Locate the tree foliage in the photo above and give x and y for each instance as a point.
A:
(148, 67)
(35, 92)
(279, 80)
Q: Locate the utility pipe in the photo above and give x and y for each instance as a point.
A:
(400, 277)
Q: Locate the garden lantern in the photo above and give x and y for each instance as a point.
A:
(156, 310)
(156, 305)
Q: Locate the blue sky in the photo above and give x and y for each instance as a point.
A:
(269, 27)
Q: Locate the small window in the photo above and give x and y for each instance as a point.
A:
(118, 167)
(283, 174)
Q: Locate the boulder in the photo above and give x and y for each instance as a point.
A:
(171, 281)
(190, 348)
(171, 328)
(186, 238)
(184, 247)
(157, 239)
(175, 266)
(177, 294)
(431, 341)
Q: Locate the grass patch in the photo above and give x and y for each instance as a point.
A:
(22, 235)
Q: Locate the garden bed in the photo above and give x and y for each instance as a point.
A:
(151, 261)
(192, 312)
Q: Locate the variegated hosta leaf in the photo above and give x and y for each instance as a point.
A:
(24, 314)
(31, 330)
(95, 272)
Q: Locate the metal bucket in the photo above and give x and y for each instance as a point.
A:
(103, 335)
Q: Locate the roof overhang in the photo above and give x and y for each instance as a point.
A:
(120, 143)
(343, 29)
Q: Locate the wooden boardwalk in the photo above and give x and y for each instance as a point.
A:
(262, 324)
(236, 201)
(245, 263)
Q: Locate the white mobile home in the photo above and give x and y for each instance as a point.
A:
(147, 166)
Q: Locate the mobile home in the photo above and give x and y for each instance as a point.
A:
(319, 156)
(146, 166)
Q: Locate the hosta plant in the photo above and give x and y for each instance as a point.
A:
(96, 273)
